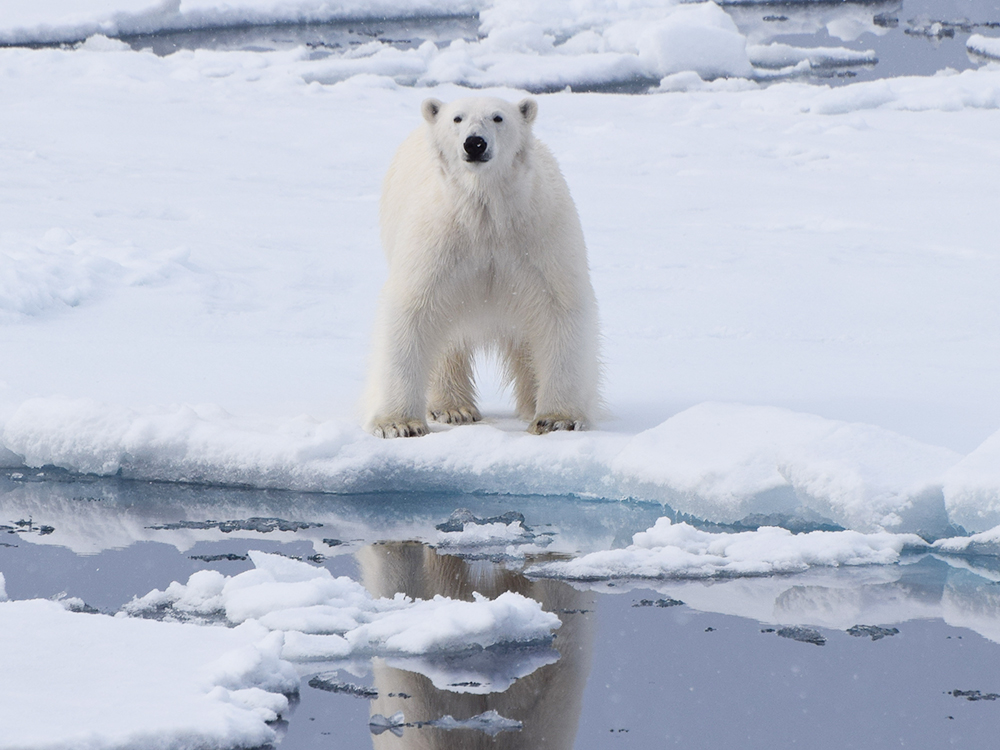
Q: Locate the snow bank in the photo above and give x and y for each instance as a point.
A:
(669, 550)
(724, 461)
(323, 618)
(717, 461)
(88, 680)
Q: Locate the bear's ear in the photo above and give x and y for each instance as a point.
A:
(528, 109)
(430, 109)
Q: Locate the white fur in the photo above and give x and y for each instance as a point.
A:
(482, 255)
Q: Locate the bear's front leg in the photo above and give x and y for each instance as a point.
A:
(406, 343)
(564, 352)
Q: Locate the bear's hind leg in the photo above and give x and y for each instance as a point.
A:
(452, 391)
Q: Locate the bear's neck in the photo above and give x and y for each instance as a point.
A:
(489, 203)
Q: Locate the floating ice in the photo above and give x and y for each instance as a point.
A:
(983, 543)
(670, 550)
(984, 45)
(323, 618)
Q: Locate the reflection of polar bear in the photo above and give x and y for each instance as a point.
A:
(547, 701)
(485, 250)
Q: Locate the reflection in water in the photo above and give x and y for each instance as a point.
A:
(962, 592)
(547, 702)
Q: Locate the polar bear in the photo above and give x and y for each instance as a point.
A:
(485, 252)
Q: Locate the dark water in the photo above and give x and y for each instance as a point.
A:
(324, 39)
(740, 663)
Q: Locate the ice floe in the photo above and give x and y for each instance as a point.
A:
(678, 550)
(323, 618)
(984, 45)
(213, 686)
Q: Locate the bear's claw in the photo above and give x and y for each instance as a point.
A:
(459, 415)
(554, 422)
(401, 428)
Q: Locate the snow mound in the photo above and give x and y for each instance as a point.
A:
(723, 462)
(972, 487)
(323, 618)
(669, 550)
(183, 685)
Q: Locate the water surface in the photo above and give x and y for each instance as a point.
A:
(879, 657)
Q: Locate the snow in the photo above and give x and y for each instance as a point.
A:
(180, 683)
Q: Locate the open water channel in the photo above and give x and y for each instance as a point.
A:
(904, 655)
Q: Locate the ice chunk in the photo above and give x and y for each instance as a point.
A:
(984, 45)
(983, 543)
(700, 37)
(874, 632)
(803, 635)
(327, 618)
(670, 550)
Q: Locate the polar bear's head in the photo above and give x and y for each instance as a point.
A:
(481, 134)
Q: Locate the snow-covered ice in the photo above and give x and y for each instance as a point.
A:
(184, 312)
(984, 45)
(111, 682)
(323, 618)
(669, 550)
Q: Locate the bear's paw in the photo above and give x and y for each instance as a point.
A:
(456, 415)
(394, 428)
(552, 422)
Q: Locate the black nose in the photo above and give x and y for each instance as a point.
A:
(475, 147)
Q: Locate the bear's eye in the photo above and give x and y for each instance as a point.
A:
(458, 118)
(497, 118)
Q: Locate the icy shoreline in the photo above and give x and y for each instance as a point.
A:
(720, 462)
